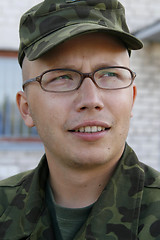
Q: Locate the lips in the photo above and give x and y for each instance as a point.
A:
(91, 127)
(91, 131)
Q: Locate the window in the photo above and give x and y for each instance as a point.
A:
(11, 124)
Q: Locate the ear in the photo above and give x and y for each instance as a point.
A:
(134, 97)
(23, 107)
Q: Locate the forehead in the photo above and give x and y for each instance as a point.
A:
(88, 41)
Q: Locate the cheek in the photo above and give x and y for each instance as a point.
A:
(121, 120)
(121, 104)
(49, 112)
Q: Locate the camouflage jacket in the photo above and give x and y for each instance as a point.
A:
(128, 208)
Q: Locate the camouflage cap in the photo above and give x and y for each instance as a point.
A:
(53, 21)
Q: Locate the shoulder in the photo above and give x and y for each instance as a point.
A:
(12, 187)
(151, 190)
(15, 180)
(18, 179)
(18, 187)
(149, 214)
(152, 177)
(149, 177)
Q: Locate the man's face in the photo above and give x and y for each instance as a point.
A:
(58, 116)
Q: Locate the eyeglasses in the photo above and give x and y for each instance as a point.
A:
(65, 80)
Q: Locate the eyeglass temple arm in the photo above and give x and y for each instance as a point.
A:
(134, 75)
(28, 81)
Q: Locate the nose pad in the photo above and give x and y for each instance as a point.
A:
(89, 96)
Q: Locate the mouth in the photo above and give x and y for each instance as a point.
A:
(90, 129)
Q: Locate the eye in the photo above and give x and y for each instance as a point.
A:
(63, 77)
(58, 78)
(109, 74)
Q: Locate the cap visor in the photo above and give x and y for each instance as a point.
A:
(51, 40)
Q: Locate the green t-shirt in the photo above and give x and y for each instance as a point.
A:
(69, 220)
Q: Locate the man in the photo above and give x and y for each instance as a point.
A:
(79, 93)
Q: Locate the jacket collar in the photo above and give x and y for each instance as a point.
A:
(116, 213)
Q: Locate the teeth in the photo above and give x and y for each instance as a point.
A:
(81, 129)
(90, 129)
(100, 129)
(94, 129)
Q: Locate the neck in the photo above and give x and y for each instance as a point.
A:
(74, 188)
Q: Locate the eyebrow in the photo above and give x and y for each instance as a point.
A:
(105, 64)
(97, 66)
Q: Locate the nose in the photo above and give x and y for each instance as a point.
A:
(89, 96)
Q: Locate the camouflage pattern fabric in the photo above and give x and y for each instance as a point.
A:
(128, 208)
(53, 21)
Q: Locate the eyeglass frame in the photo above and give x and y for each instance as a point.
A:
(83, 76)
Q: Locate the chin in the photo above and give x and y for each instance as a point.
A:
(90, 161)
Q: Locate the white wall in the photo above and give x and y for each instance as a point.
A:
(141, 13)
(144, 135)
(10, 13)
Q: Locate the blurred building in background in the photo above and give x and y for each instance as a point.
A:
(20, 147)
